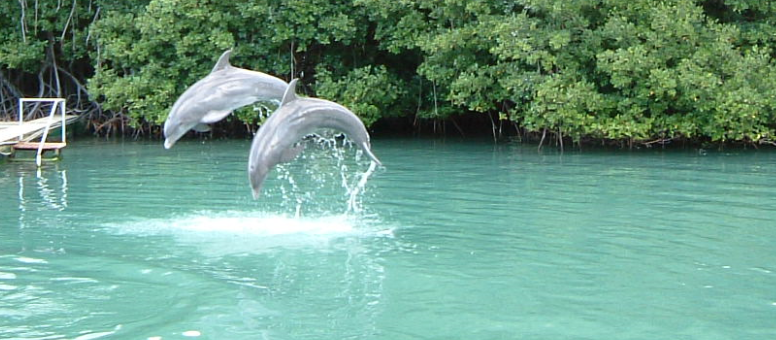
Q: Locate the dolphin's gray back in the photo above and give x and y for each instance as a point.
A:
(238, 82)
(304, 115)
(213, 97)
(326, 114)
(232, 88)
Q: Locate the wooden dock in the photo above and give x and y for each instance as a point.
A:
(10, 131)
(20, 136)
(32, 146)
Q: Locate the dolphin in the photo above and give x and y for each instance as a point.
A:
(212, 98)
(276, 140)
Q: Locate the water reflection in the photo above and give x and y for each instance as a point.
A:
(273, 273)
(48, 189)
(456, 242)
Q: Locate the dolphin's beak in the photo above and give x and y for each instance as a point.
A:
(257, 179)
(168, 143)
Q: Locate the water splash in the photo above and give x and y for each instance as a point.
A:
(217, 234)
(252, 224)
(326, 178)
(354, 205)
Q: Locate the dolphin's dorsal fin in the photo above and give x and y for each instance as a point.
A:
(223, 61)
(290, 93)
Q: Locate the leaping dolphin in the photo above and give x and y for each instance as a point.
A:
(295, 118)
(212, 98)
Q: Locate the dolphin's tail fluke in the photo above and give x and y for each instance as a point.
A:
(365, 147)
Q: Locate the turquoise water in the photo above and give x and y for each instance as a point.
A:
(451, 240)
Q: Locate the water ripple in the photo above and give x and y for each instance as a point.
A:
(454, 240)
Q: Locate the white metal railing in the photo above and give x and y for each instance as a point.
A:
(57, 103)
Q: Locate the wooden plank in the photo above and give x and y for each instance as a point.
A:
(35, 145)
(11, 133)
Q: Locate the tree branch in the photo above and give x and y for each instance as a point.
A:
(67, 23)
(96, 15)
(55, 69)
(23, 4)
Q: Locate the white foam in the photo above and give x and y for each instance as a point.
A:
(7, 276)
(262, 225)
(236, 223)
(91, 336)
(30, 260)
(88, 335)
(5, 287)
(74, 279)
(233, 232)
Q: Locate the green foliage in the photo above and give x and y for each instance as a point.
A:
(38, 34)
(635, 70)
(370, 92)
(687, 75)
(148, 58)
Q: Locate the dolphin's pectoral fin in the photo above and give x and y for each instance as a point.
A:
(291, 153)
(214, 116)
(201, 128)
(223, 61)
